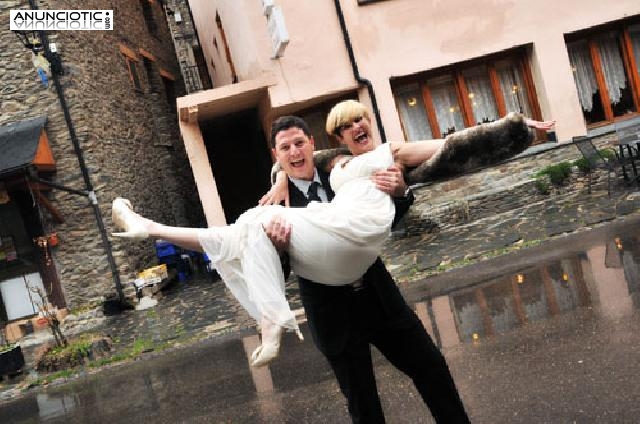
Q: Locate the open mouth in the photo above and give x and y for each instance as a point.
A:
(297, 163)
(361, 138)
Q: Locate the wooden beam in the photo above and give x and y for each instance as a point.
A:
(146, 54)
(497, 91)
(602, 85)
(128, 52)
(431, 112)
(57, 216)
(166, 74)
(631, 67)
(463, 100)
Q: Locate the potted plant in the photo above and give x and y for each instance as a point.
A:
(11, 357)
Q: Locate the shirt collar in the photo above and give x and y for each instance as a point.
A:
(303, 185)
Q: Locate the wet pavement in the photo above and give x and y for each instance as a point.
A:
(546, 334)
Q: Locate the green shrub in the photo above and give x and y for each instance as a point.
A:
(542, 185)
(582, 164)
(557, 173)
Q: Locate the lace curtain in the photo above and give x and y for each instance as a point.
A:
(446, 105)
(513, 89)
(583, 73)
(413, 113)
(480, 95)
(612, 66)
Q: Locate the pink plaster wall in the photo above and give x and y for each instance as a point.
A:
(402, 37)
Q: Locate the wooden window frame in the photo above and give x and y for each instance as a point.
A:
(628, 59)
(131, 60)
(519, 59)
(149, 16)
(227, 51)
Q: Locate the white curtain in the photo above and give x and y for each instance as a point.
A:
(480, 95)
(446, 105)
(612, 65)
(513, 89)
(583, 73)
(413, 113)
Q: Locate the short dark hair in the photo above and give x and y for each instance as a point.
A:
(284, 123)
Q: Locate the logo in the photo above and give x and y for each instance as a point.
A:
(61, 20)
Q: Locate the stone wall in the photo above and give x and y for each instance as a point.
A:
(129, 138)
(507, 186)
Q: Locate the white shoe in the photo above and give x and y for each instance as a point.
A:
(124, 217)
(268, 350)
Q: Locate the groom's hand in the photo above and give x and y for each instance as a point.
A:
(278, 230)
(390, 181)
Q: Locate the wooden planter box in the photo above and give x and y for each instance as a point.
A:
(11, 361)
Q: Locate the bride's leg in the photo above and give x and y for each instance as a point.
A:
(124, 217)
(138, 227)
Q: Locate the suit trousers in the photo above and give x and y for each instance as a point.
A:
(405, 343)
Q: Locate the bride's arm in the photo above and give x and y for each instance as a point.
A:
(414, 153)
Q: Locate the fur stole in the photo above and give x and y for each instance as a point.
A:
(473, 148)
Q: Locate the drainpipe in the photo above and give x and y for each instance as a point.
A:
(83, 168)
(356, 73)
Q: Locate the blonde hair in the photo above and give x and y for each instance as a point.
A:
(343, 113)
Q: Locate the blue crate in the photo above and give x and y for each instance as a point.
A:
(165, 249)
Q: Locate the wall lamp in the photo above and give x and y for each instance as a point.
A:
(33, 40)
(30, 40)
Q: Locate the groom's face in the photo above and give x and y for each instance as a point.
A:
(294, 151)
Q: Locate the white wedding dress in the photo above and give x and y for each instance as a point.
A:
(331, 243)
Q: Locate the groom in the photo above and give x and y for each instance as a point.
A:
(345, 321)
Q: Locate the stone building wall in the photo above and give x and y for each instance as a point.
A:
(185, 40)
(129, 138)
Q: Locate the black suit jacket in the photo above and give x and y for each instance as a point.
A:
(328, 308)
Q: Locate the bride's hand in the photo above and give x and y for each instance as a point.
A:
(540, 125)
(278, 193)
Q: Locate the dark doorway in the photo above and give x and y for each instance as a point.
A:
(240, 160)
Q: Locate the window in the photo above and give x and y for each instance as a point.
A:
(131, 60)
(149, 20)
(169, 82)
(441, 102)
(133, 73)
(234, 76)
(605, 71)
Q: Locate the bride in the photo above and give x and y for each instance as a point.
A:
(333, 243)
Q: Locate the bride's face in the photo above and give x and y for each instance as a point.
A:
(294, 152)
(356, 135)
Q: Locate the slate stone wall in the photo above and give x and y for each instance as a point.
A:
(508, 186)
(129, 138)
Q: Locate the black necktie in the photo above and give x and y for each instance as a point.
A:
(312, 193)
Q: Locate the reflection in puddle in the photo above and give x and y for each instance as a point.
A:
(53, 406)
(604, 277)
